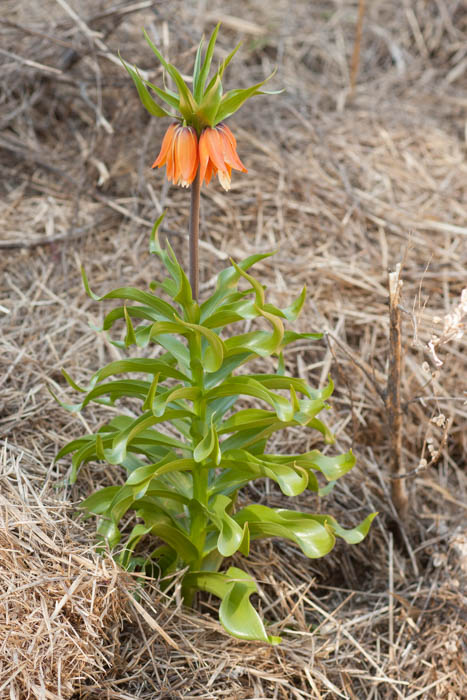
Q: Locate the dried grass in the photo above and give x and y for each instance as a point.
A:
(346, 185)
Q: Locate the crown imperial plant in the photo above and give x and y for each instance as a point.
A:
(177, 507)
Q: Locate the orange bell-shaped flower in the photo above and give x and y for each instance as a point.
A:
(218, 154)
(179, 152)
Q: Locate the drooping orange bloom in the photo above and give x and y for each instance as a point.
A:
(179, 152)
(218, 155)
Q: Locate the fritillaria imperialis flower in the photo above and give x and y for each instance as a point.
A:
(218, 154)
(179, 152)
(202, 111)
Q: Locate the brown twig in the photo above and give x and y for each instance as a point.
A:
(393, 396)
(355, 62)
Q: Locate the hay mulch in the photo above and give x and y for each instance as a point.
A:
(346, 184)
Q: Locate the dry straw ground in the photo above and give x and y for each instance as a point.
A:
(346, 186)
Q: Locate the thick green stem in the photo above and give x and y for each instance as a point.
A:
(200, 474)
(194, 236)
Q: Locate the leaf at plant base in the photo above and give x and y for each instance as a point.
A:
(314, 538)
(99, 502)
(109, 531)
(164, 527)
(137, 533)
(236, 613)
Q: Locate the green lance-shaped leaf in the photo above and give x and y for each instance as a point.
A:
(108, 530)
(314, 538)
(261, 343)
(240, 310)
(241, 466)
(201, 73)
(141, 312)
(160, 404)
(228, 366)
(258, 288)
(144, 95)
(122, 439)
(151, 394)
(100, 501)
(187, 104)
(214, 354)
(332, 467)
(246, 419)
(149, 471)
(292, 336)
(132, 294)
(231, 535)
(136, 364)
(234, 99)
(197, 70)
(227, 281)
(210, 102)
(276, 381)
(353, 536)
(292, 311)
(250, 387)
(137, 534)
(225, 63)
(166, 528)
(109, 392)
(236, 613)
(130, 338)
(208, 446)
(169, 97)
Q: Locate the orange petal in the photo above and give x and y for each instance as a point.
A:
(204, 160)
(210, 170)
(186, 153)
(214, 146)
(229, 147)
(166, 143)
(170, 161)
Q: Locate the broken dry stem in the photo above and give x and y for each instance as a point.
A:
(393, 399)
